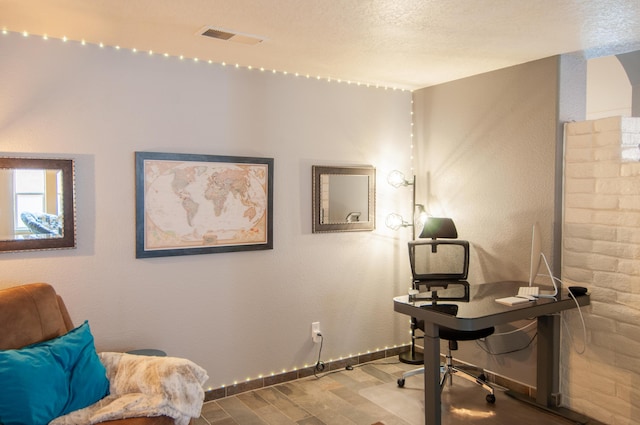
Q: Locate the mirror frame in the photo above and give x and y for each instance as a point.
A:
(68, 240)
(361, 226)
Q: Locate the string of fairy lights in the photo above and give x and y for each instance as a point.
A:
(328, 79)
(411, 145)
(306, 365)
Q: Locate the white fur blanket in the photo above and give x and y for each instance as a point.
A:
(145, 386)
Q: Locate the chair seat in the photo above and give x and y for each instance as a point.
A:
(456, 335)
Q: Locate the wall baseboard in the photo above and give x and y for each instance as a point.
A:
(267, 381)
(255, 384)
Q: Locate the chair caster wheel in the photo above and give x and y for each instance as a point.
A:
(491, 398)
(401, 382)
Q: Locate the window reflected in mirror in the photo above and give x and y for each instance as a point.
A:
(36, 204)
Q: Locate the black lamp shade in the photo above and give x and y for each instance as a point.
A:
(438, 228)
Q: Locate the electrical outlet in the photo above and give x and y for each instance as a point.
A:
(315, 332)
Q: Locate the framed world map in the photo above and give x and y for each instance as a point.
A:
(201, 204)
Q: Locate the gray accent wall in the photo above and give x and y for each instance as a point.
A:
(487, 150)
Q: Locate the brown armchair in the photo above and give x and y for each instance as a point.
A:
(34, 313)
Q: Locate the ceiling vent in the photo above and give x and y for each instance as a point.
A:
(226, 35)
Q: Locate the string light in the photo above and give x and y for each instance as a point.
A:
(307, 365)
(411, 144)
(150, 52)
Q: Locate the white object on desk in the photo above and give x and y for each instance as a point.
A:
(512, 300)
(528, 290)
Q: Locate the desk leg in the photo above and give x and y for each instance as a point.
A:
(548, 358)
(432, 407)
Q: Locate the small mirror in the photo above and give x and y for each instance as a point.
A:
(37, 205)
(344, 199)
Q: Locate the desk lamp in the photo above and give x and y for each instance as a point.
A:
(438, 228)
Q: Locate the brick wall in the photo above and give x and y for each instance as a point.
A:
(601, 250)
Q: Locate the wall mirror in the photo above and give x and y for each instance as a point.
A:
(37, 204)
(344, 199)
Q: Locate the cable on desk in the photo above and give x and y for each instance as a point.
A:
(486, 350)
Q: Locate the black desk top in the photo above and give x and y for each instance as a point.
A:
(477, 308)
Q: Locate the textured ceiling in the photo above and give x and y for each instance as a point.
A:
(395, 43)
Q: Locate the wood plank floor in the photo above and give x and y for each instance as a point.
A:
(336, 398)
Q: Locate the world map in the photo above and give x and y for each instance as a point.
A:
(193, 204)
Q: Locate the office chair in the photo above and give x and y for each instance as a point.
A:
(435, 263)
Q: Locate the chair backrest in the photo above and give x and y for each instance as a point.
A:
(439, 259)
(31, 313)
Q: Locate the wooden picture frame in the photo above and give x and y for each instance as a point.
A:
(190, 204)
(53, 227)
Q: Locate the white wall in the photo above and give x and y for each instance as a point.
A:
(608, 88)
(239, 315)
(601, 251)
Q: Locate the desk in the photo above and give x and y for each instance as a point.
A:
(481, 311)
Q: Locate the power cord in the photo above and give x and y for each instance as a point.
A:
(488, 351)
(520, 329)
(566, 326)
(554, 279)
(319, 364)
(584, 328)
(350, 368)
(564, 322)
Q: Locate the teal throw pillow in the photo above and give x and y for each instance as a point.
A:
(42, 381)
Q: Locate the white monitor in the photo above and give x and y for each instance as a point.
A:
(536, 253)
